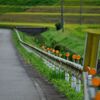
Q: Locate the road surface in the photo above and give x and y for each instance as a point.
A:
(15, 83)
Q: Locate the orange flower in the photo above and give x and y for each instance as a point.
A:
(48, 48)
(97, 97)
(78, 57)
(74, 56)
(67, 54)
(96, 81)
(57, 51)
(53, 50)
(92, 71)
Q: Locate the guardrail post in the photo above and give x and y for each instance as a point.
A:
(86, 95)
(90, 59)
(78, 85)
(67, 76)
(91, 89)
(73, 81)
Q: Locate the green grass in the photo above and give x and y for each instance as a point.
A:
(56, 78)
(67, 9)
(74, 9)
(51, 14)
(85, 2)
(58, 6)
(69, 39)
(27, 18)
(67, 90)
(18, 8)
(73, 39)
(14, 24)
(51, 25)
(27, 38)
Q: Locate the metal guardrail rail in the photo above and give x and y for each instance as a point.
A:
(67, 65)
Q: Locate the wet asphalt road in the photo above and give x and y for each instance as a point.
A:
(18, 80)
(15, 84)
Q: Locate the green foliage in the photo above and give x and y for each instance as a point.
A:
(27, 2)
(58, 26)
(8, 8)
(48, 2)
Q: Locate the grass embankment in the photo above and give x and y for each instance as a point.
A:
(73, 39)
(57, 78)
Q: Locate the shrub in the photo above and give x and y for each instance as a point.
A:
(58, 26)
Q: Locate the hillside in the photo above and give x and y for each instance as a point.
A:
(48, 2)
(11, 11)
(49, 14)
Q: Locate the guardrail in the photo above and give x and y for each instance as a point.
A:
(72, 69)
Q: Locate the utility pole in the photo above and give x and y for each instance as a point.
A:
(81, 11)
(62, 15)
